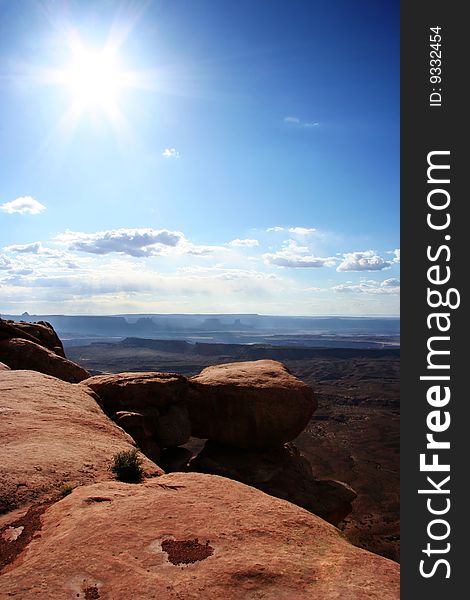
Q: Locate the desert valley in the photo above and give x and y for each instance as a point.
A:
(259, 466)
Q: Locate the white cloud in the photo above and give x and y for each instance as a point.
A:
(32, 248)
(24, 205)
(302, 230)
(245, 243)
(170, 153)
(392, 282)
(292, 120)
(293, 230)
(308, 261)
(396, 252)
(5, 263)
(363, 261)
(134, 242)
(138, 242)
(382, 288)
(295, 256)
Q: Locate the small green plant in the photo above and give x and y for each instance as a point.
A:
(127, 466)
(65, 490)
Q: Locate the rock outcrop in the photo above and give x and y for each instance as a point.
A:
(41, 333)
(248, 411)
(152, 407)
(253, 405)
(20, 353)
(4, 367)
(190, 536)
(53, 434)
(282, 472)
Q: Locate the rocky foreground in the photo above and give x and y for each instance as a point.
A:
(70, 530)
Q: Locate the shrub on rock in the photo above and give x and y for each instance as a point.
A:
(127, 466)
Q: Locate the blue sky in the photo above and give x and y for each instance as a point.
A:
(228, 157)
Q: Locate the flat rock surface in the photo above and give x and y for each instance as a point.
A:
(52, 434)
(252, 405)
(19, 353)
(190, 536)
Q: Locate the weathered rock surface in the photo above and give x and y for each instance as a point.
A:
(282, 472)
(52, 433)
(152, 407)
(20, 353)
(4, 367)
(253, 405)
(191, 536)
(41, 333)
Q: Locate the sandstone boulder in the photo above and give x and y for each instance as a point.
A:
(142, 429)
(152, 407)
(252, 405)
(22, 354)
(52, 434)
(190, 536)
(41, 333)
(282, 472)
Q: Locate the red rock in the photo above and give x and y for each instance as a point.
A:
(4, 367)
(52, 433)
(41, 333)
(252, 405)
(158, 398)
(142, 431)
(191, 536)
(282, 472)
(22, 354)
(135, 391)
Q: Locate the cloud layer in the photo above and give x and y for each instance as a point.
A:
(385, 288)
(296, 271)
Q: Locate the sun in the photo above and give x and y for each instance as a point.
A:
(94, 78)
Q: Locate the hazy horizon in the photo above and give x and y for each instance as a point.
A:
(202, 314)
(199, 157)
